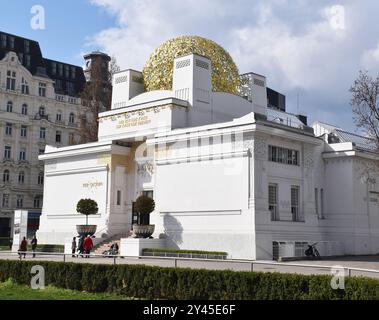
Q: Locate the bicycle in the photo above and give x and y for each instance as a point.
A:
(312, 251)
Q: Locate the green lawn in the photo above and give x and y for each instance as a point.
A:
(12, 291)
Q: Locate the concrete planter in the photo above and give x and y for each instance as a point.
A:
(143, 231)
(86, 229)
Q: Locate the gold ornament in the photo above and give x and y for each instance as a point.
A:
(158, 70)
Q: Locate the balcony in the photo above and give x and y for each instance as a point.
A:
(39, 116)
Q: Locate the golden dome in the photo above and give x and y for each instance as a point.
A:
(158, 70)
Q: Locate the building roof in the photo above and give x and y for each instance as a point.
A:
(284, 118)
(30, 56)
(360, 142)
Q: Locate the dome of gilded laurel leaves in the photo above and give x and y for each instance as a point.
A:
(158, 70)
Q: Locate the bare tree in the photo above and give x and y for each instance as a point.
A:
(96, 97)
(364, 101)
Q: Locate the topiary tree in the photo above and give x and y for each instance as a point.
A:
(87, 207)
(144, 205)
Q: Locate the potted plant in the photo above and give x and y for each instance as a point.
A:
(144, 205)
(86, 207)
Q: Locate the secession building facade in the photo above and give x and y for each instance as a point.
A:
(229, 169)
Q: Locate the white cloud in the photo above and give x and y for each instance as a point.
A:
(316, 48)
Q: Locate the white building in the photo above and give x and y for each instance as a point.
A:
(38, 106)
(227, 173)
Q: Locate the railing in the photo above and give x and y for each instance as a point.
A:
(229, 264)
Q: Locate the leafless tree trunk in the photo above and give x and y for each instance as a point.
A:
(364, 101)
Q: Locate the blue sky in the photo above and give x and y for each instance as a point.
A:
(307, 48)
(69, 23)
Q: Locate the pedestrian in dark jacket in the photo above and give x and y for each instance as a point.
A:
(73, 246)
(80, 246)
(34, 245)
(23, 247)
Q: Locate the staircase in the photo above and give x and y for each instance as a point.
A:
(106, 243)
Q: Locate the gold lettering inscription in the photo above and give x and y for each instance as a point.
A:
(133, 122)
(91, 185)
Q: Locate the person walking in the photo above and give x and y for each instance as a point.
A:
(34, 245)
(80, 246)
(73, 246)
(87, 245)
(23, 247)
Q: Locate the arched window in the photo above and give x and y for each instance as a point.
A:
(21, 177)
(40, 178)
(24, 109)
(9, 106)
(6, 176)
(71, 118)
(41, 111)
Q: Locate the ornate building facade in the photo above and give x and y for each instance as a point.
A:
(39, 105)
(228, 172)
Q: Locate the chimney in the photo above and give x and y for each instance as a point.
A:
(192, 79)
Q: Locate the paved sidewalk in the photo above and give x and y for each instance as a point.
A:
(323, 266)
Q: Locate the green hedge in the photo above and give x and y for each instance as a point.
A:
(169, 283)
(183, 251)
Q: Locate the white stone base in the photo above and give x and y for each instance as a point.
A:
(132, 247)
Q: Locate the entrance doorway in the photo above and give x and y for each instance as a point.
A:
(5, 228)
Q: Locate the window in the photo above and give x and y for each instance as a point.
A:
(316, 201)
(7, 152)
(73, 72)
(3, 40)
(20, 201)
(22, 154)
(11, 80)
(24, 109)
(283, 155)
(53, 68)
(42, 133)
(9, 106)
(118, 197)
(37, 202)
(5, 200)
(24, 86)
(59, 117)
(6, 176)
(41, 111)
(21, 177)
(26, 46)
(66, 71)
(71, 118)
(11, 42)
(58, 136)
(322, 203)
(273, 201)
(60, 69)
(58, 85)
(27, 60)
(8, 129)
(40, 178)
(295, 203)
(70, 88)
(42, 89)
